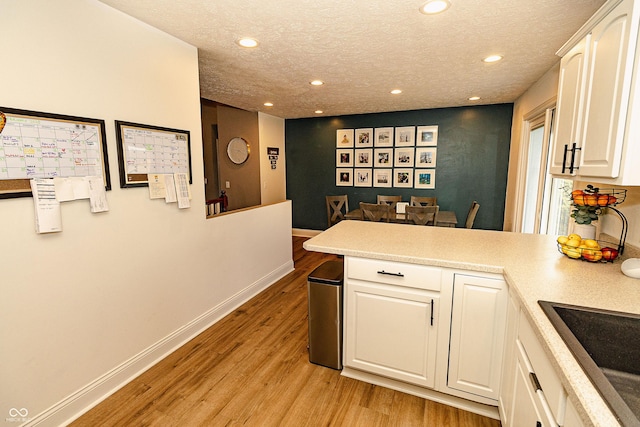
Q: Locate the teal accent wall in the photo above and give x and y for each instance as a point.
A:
(472, 162)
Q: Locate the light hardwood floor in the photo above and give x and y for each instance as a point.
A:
(252, 369)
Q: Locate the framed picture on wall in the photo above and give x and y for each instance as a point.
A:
(382, 178)
(344, 138)
(383, 137)
(403, 178)
(364, 138)
(425, 178)
(364, 157)
(425, 157)
(403, 157)
(363, 177)
(427, 136)
(344, 177)
(344, 158)
(405, 136)
(383, 157)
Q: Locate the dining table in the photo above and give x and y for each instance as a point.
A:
(445, 218)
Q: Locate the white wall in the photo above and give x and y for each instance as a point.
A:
(87, 308)
(273, 181)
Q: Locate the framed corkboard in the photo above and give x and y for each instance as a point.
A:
(46, 145)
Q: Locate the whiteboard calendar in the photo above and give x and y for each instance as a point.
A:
(144, 150)
(45, 145)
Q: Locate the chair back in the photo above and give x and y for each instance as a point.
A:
(389, 200)
(423, 201)
(471, 216)
(375, 212)
(422, 215)
(337, 208)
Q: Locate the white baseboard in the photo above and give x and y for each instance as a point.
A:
(302, 232)
(425, 393)
(76, 404)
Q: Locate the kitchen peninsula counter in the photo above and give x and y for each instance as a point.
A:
(532, 267)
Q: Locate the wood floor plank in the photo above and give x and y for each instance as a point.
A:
(252, 369)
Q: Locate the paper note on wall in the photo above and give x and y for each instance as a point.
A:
(71, 188)
(171, 196)
(47, 208)
(97, 194)
(157, 188)
(183, 190)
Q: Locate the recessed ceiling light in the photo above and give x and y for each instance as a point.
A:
(248, 42)
(492, 58)
(396, 91)
(474, 98)
(435, 6)
(268, 104)
(319, 111)
(317, 82)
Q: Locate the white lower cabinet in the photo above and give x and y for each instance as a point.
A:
(426, 326)
(531, 394)
(478, 318)
(392, 332)
(391, 319)
(525, 411)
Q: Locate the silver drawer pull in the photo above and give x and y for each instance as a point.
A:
(534, 381)
(390, 274)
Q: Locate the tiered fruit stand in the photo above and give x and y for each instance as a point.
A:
(588, 204)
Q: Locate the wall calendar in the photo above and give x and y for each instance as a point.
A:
(45, 145)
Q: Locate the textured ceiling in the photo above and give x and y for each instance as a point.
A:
(363, 49)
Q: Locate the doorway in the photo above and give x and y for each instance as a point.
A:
(545, 207)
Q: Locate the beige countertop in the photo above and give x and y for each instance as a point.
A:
(531, 265)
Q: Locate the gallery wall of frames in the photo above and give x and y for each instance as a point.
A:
(400, 157)
(457, 154)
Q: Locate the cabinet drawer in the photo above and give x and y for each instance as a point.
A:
(549, 381)
(394, 273)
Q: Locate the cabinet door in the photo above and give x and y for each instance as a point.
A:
(478, 318)
(607, 94)
(507, 383)
(392, 331)
(525, 411)
(568, 118)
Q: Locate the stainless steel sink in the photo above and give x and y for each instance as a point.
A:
(607, 346)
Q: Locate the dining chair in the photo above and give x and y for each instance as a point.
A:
(422, 215)
(375, 212)
(337, 208)
(422, 201)
(471, 216)
(389, 200)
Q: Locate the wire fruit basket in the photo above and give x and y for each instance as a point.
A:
(590, 250)
(587, 205)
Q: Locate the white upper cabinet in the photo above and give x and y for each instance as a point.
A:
(595, 99)
(568, 116)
